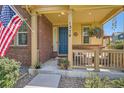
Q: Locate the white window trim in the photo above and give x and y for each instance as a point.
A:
(83, 35)
(17, 42)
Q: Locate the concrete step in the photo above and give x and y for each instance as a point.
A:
(44, 80)
(84, 73)
(48, 72)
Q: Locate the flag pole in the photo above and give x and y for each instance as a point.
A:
(16, 11)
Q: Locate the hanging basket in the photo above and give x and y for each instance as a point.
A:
(96, 31)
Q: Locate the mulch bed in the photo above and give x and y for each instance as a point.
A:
(24, 78)
(71, 82)
(23, 81)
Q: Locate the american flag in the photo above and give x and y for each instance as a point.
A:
(10, 23)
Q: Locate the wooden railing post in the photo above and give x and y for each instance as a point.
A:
(96, 64)
(70, 54)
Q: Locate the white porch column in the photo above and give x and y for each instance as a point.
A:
(34, 40)
(70, 38)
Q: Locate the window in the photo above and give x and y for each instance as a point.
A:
(85, 35)
(21, 37)
(86, 39)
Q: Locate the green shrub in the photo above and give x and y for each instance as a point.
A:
(118, 83)
(118, 45)
(9, 72)
(63, 63)
(94, 81)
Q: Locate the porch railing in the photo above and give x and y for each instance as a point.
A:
(111, 59)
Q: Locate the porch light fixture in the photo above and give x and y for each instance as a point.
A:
(90, 13)
(62, 13)
(59, 15)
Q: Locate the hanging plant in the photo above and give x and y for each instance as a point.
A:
(91, 32)
(96, 31)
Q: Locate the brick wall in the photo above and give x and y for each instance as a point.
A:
(44, 38)
(22, 53)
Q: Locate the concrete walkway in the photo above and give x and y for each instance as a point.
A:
(50, 75)
(52, 68)
(44, 80)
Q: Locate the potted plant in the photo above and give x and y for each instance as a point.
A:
(34, 70)
(95, 31)
(63, 64)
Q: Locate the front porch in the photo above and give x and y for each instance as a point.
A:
(70, 24)
(51, 67)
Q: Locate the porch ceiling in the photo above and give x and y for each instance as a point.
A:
(84, 14)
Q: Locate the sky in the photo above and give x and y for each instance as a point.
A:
(118, 20)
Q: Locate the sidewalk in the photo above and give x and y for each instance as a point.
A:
(44, 81)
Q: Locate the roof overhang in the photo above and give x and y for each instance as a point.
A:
(84, 14)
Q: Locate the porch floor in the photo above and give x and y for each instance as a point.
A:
(51, 67)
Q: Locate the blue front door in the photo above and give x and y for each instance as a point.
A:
(63, 40)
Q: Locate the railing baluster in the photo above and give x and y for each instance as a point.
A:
(80, 59)
(117, 60)
(101, 59)
(111, 59)
(114, 60)
(123, 61)
(120, 60)
(84, 59)
(76, 59)
(88, 59)
(107, 54)
(106, 58)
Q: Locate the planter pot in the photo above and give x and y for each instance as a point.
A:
(33, 71)
(63, 66)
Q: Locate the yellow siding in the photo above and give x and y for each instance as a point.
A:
(79, 39)
(96, 41)
(76, 39)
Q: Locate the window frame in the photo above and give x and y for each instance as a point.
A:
(83, 36)
(16, 39)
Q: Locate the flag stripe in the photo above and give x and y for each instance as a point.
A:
(7, 32)
(4, 31)
(17, 26)
(7, 36)
(10, 23)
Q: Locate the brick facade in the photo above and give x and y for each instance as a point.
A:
(44, 38)
(22, 53)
